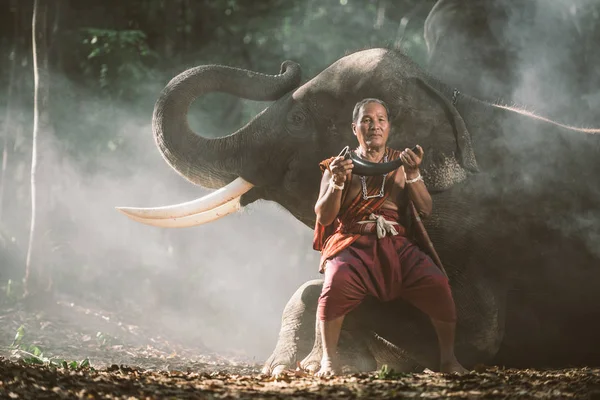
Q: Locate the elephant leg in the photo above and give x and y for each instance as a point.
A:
(387, 353)
(360, 350)
(481, 308)
(296, 338)
(296, 334)
(312, 362)
(353, 351)
(480, 326)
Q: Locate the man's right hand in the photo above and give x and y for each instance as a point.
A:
(340, 169)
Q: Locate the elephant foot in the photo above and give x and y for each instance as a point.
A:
(297, 333)
(274, 370)
(277, 364)
(312, 362)
(353, 356)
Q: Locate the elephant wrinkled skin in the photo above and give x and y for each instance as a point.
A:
(515, 213)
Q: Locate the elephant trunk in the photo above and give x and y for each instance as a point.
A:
(212, 162)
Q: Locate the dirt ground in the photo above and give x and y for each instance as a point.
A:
(130, 361)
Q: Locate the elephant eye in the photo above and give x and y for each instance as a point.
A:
(298, 123)
(297, 118)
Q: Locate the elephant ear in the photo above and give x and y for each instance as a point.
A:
(426, 117)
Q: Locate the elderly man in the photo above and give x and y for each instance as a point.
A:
(363, 244)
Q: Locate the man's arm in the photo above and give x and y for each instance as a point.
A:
(418, 193)
(330, 196)
(417, 190)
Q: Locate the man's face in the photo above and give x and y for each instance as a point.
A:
(372, 127)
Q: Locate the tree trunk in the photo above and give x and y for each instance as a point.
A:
(379, 21)
(41, 127)
(171, 13)
(9, 108)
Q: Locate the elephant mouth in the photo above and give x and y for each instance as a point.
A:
(211, 207)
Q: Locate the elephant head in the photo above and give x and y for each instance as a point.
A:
(276, 155)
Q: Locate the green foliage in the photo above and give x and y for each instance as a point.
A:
(114, 57)
(19, 336)
(32, 354)
(119, 68)
(387, 373)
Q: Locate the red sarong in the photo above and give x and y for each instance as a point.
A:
(357, 265)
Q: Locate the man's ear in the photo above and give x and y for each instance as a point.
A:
(354, 128)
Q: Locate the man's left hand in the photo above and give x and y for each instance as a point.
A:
(411, 159)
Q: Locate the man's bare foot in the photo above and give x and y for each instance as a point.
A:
(452, 366)
(327, 368)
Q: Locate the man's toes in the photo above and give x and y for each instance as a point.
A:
(325, 373)
(453, 367)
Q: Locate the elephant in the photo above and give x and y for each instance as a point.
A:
(509, 51)
(515, 206)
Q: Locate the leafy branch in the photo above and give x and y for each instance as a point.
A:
(35, 355)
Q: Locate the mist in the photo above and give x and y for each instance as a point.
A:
(536, 55)
(553, 64)
(223, 286)
(554, 74)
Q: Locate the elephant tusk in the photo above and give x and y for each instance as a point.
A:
(194, 219)
(211, 201)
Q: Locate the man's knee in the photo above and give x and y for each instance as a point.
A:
(338, 276)
(340, 293)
